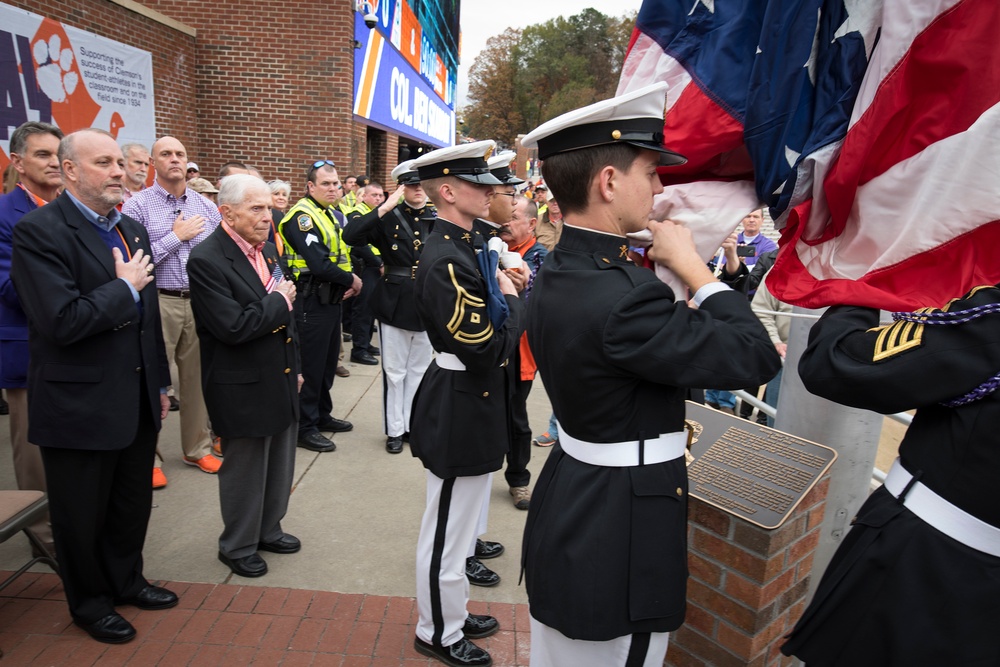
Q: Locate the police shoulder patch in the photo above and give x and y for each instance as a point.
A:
(305, 222)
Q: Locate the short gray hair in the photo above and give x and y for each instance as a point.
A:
(233, 189)
(128, 147)
(67, 147)
(277, 186)
(19, 139)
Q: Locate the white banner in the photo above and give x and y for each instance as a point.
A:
(59, 74)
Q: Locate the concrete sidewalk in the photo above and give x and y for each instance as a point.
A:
(357, 512)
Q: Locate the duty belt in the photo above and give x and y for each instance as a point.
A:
(665, 447)
(938, 513)
(405, 271)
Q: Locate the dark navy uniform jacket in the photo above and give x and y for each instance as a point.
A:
(898, 591)
(459, 424)
(604, 550)
(399, 237)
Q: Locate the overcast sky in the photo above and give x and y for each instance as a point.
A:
(482, 19)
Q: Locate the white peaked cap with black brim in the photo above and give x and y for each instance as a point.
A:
(499, 166)
(464, 161)
(635, 118)
(405, 173)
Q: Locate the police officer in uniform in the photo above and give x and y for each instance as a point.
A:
(399, 232)
(459, 426)
(604, 551)
(917, 579)
(321, 267)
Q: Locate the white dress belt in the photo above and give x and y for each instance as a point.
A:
(934, 510)
(665, 447)
(449, 361)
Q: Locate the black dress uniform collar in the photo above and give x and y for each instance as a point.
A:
(452, 232)
(607, 248)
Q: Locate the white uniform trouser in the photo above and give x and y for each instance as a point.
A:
(484, 516)
(405, 357)
(551, 648)
(449, 525)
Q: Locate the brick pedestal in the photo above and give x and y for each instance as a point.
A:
(747, 586)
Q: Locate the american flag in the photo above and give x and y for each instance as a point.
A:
(868, 127)
(276, 277)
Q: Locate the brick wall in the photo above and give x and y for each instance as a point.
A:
(274, 83)
(747, 587)
(173, 55)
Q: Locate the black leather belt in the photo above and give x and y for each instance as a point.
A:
(405, 271)
(182, 293)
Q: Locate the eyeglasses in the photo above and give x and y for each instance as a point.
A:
(506, 194)
(190, 171)
(319, 163)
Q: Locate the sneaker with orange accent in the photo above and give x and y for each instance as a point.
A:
(217, 447)
(207, 463)
(544, 440)
(159, 479)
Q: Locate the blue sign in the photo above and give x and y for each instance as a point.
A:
(391, 94)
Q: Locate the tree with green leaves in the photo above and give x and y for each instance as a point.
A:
(525, 77)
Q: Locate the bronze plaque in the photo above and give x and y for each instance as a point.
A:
(752, 471)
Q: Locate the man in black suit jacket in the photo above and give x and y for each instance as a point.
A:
(249, 371)
(97, 367)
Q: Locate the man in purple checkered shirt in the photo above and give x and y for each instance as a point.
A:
(177, 219)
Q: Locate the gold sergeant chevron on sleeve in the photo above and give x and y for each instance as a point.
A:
(899, 337)
(466, 302)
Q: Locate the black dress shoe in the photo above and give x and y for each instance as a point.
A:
(347, 337)
(112, 629)
(363, 358)
(374, 351)
(175, 405)
(335, 425)
(478, 626)
(286, 544)
(406, 436)
(480, 575)
(248, 566)
(462, 653)
(487, 550)
(316, 442)
(394, 444)
(153, 597)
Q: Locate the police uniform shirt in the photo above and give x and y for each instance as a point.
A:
(621, 352)
(459, 422)
(306, 240)
(400, 237)
(936, 597)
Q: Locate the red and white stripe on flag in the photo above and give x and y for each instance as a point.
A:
(905, 212)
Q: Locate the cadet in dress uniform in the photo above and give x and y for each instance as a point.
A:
(917, 579)
(460, 411)
(399, 231)
(604, 549)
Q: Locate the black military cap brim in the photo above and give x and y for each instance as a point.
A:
(644, 133)
(409, 178)
(473, 170)
(506, 176)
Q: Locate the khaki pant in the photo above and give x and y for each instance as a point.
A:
(181, 341)
(28, 468)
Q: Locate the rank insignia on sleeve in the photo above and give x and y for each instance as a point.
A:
(898, 337)
(305, 223)
(469, 310)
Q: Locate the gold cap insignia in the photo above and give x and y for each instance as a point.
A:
(489, 152)
(445, 171)
(616, 135)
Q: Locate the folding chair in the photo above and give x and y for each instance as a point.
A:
(18, 510)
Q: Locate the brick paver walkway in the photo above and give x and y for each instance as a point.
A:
(222, 624)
